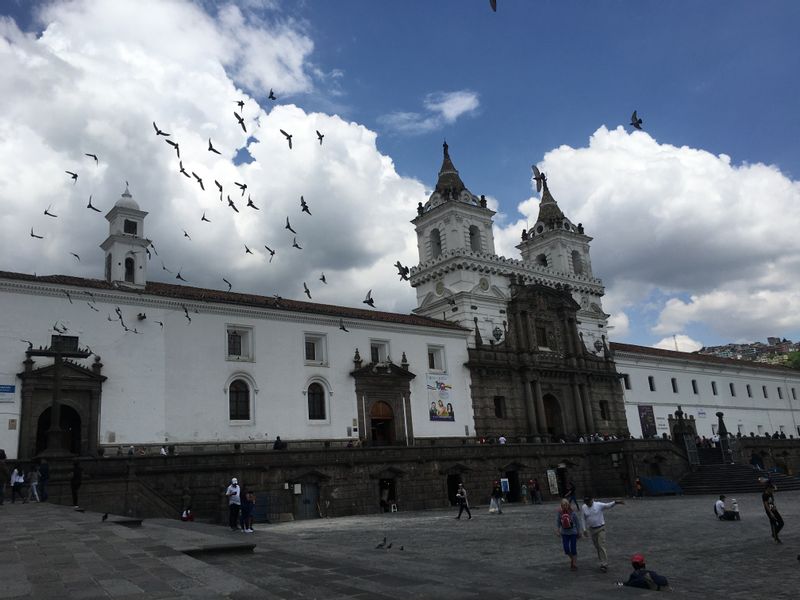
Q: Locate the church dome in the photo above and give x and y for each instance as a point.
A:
(449, 187)
(126, 200)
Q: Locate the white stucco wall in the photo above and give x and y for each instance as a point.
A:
(741, 412)
(170, 384)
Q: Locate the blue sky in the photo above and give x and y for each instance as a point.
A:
(692, 221)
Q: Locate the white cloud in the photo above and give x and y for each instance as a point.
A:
(681, 343)
(101, 72)
(678, 223)
(441, 108)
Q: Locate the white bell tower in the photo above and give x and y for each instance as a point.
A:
(125, 246)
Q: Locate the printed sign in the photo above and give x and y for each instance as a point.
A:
(661, 423)
(504, 485)
(701, 413)
(441, 409)
(7, 393)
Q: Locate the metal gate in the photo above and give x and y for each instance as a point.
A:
(307, 502)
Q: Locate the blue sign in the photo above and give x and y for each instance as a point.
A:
(7, 389)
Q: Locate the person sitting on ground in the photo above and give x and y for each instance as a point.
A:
(644, 578)
(723, 514)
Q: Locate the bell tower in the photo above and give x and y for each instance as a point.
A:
(126, 261)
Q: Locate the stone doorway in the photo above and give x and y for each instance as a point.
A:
(70, 422)
(381, 419)
(553, 416)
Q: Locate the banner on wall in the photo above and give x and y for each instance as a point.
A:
(647, 420)
(441, 407)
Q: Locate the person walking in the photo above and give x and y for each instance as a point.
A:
(496, 502)
(594, 523)
(75, 482)
(4, 477)
(536, 491)
(17, 481)
(567, 528)
(248, 505)
(44, 478)
(775, 519)
(462, 501)
(234, 496)
(33, 483)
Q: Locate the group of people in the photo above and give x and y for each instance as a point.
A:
(240, 507)
(35, 477)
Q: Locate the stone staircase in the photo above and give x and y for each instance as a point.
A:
(730, 479)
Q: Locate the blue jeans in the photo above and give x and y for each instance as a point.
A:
(570, 541)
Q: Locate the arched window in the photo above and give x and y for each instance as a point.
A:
(316, 402)
(577, 263)
(108, 268)
(130, 270)
(605, 413)
(239, 400)
(541, 260)
(436, 243)
(474, 238)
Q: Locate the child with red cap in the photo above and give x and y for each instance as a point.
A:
(644, 578)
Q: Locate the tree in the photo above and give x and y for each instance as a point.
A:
(793, 360)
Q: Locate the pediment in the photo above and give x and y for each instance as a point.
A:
(513, 466)
(69, 370)
(383, 369)
(309, 476)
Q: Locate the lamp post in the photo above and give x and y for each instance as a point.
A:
(722, 432)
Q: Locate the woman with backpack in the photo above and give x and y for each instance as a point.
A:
(567, 528)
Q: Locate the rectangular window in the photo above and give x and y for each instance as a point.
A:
(64, 343)
(541, 337)
(749, 391)
(652, 383)
(378, 351)
(794, 394)
(436, 358)
(604, 412)
(626, 380)
(694, 387)
(239, 342)
(764, 391)
(780, 393)
(315, 350)
(129, 227)
(500, 407)
(733, 390)
(674, 386)
(714, 387)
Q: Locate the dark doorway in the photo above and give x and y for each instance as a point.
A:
(381, 424)
(513, 486)
(70, 428)
(307, 502)
(561, 479)
(388, 494)
(452, 487)
(552, 414)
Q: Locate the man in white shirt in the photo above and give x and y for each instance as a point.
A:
(595, 523)
(234, 503)
(723, 514)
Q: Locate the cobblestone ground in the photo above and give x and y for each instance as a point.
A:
(53, 552)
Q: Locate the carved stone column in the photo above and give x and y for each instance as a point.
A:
(579, 413)
(587, 408)
(540, 415)
(530, 408)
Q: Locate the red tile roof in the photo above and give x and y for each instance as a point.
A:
(189, 293)
(700, 358)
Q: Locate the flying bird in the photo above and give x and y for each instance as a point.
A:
(90, 207)
(288, 138)
(186, 313)
(175, 145)
(251, 204)
(305, 289)
(231, 204)
(158, 131)
(164, 267)
(30, 344)
(186, 235)
(296, 245)
(241, 186)
(94, 156)
(636, 122)
(247, 250)
(153, 246)
(211, 147)
(368, 300)
(219, 187)
(230, 286)
(322, 279)
(160, 323)
(182, 170)
(240, 104)
(320, 136)
(304, 206)
(271, 252)
(241, 121)
(203, 218)
(271, 95)
(73, 175)
(66, 293)
(199, 180)
(402, 271)
(493, 4)
(38, 237)
(288, 226)
(48, 213)
(76, 256)
(342, 327)
(94, 308)
(541, 178)
(178, 276)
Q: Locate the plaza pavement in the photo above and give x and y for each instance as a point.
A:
(51, 551)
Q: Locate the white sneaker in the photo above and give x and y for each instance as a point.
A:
(250, 531)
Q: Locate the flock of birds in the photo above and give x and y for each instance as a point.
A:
(60, 327)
